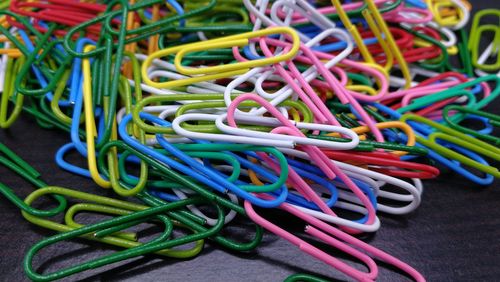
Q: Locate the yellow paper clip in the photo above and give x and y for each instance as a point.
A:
(220, 71)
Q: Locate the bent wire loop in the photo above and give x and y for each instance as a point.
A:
(121, 221)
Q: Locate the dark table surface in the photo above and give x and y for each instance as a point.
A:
(453, 236)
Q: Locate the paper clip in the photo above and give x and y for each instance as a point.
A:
(460, 139)
(490, 119)
(493, 49)
(455, 21)
(111, 224)
(10, 69)
(104, 205)
(279, 120)
(343, 241)
(219, 71)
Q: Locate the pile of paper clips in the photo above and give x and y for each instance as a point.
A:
(206, 109)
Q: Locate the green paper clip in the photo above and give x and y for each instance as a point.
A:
(493, 120)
